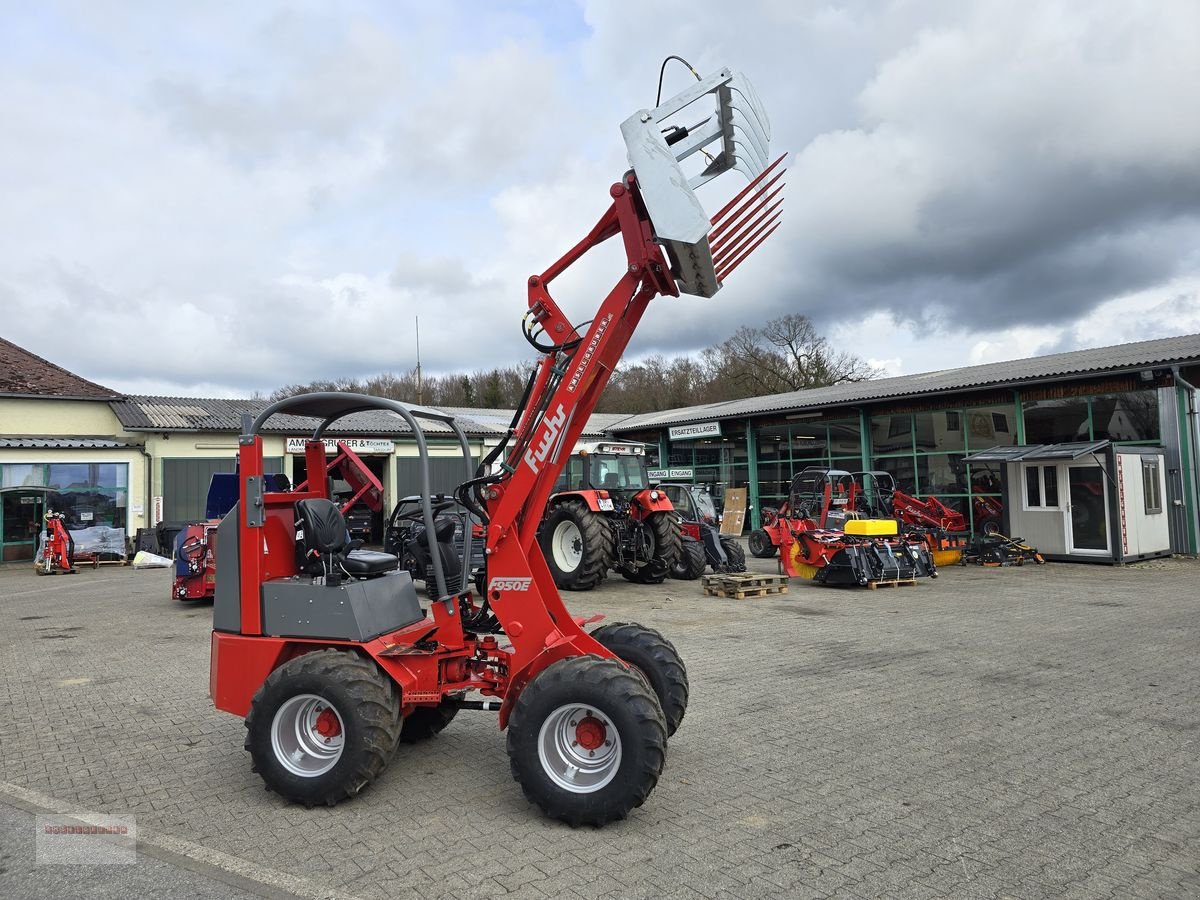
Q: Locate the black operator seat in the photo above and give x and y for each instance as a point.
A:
(327, 542)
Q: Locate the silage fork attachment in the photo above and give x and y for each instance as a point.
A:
(732, 133)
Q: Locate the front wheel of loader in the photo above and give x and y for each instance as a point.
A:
(323, 726)
(692, 562)
(587, 740)
(734, 553)
(658, 661)
(760, 544)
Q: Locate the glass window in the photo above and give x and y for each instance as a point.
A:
(22, 475)
(941, 473)
(1151, 485)
(1041, 487)
(1050, 485)
(845, 439)
(90, 494)
(892, 434)
(1130, 416)
(932, 431)
(1057, 421)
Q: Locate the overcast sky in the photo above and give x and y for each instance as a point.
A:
(213, 199)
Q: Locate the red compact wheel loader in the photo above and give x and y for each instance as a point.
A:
(326, 650)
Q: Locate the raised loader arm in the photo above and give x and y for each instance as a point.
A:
(667, 244)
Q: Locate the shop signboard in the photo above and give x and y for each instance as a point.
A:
(686, 473)
(361, 446)
(696, 430)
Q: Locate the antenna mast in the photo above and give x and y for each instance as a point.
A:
(420, 399)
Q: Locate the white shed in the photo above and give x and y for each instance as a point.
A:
(1089, 501)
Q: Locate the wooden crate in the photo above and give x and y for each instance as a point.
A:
(740, 586)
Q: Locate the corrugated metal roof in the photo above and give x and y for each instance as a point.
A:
(62, 443)
(143, 413)
(1183, 350)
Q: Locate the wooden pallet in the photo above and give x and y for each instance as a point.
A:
(741, 586)
(897, 582)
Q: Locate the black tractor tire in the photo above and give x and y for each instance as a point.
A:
(658, 661)
(989, 526)
(481, 581)
(734, 554)
(547, 743)
(760, 544)
(692, 562)
(426, 721)
(665, 532)
(287, 713)
(591, 536)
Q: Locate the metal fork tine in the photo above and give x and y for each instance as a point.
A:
(747, 237)
(742, 213)
(721, 213)
(725, 273)
(734, 240)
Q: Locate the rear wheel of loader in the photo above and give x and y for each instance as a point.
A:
(587, 740)
(760, 544)
(323, 726)
(426, 721)
(577, 544)
(658, 661)
(692, 562)
(665, 542)
(734, 553)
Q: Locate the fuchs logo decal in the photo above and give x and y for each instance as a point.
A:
(585, 361)
(510, 584)
(554, 424)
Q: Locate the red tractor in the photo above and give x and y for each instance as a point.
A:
(327, 652)
(605, 515)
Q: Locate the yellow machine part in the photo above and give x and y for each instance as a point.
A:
(870, 527)
(946, 557)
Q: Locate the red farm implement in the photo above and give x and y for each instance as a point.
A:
(327, 651)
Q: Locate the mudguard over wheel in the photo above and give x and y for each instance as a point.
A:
(657, 659)
(323, 726)
(760, 544)
(577, 544)
(692, 561)
(666, 543)
(426, 721)
(734, 553)
(587, 741)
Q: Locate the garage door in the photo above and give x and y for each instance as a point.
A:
(445, 474)
(185, 483)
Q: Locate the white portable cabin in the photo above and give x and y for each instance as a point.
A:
(1087, 501)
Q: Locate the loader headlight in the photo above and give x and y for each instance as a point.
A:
(654, 495)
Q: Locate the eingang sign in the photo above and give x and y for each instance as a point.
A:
(364, 446)
(699, 430)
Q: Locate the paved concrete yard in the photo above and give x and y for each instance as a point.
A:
(1024, 732)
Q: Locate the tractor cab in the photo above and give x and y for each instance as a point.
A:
(692, 503)
(871, 494)
(619, 470)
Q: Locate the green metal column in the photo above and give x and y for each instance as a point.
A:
(664, 451)
(1020, 417)
(1186, 458)
(864, 441)
(752, 468)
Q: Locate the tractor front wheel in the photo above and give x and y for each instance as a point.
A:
(760, 544)
(587, 740)
(734, 554)
(692, 562)
(657, 659)
(577, 544)
(664, 542)
(323, 726)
